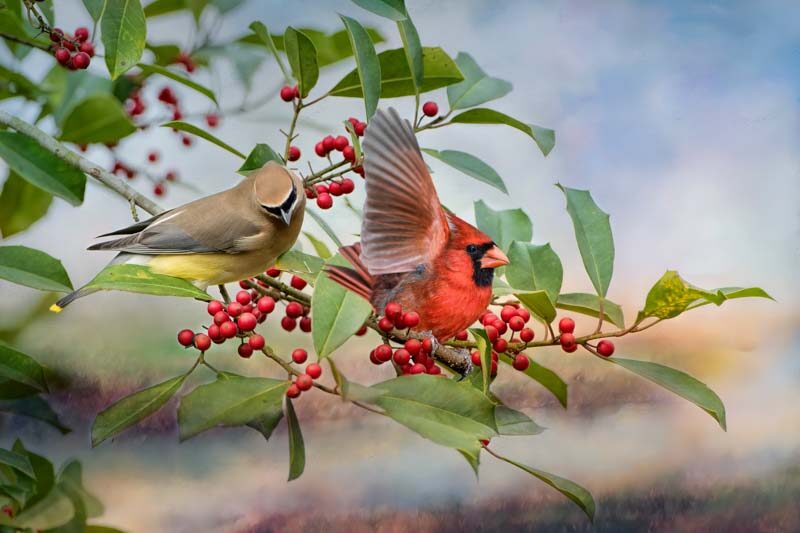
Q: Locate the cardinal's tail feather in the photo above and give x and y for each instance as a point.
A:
(357, 278)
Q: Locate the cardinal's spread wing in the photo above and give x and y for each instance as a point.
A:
(404, 224)
(196, 228)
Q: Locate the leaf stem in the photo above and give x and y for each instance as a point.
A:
(25, 42)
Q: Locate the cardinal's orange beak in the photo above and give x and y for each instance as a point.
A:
(493, 258)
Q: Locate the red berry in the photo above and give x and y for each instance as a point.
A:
(273, 272)
(570, 348)
(212, 120)
(257, 342)
(488, 319)
(243, 297)
(293, 391)
(202, 342)
(501, 326)
(220, 317)
(329, 143)
(321, 188)
(81, 60)
(62, 55)
(288, 323)
(359, 128)
(228, 329)
(158, 189)
(298, 283)
(304, 382)
(411, 319)
(186, 337)
(383, 353)
(427, 345)
(186, 140)
(492, 333)
(56, 34)
(524, 314)
(516, 323)
(462, 335)
(266, 304)
(521, 362)
(245, 350)
(235, 309)
(476, 358)
(494, 368)
(373, 359)
(341, 142)
(392, 311)
(348, 186)
(526, 335)
(434, 370)
(214, 333)
(566, 325)
(413, 346)
(177, 115)
(384, 324)
(349, 153)
(361, 332)
(319, 149)
(567, 338)
(247, 322)
(500, 345)
(421, 358)
(430, 109)
(401, 356)
(171, 175)
(305, 324)
(294, 153)
(314, 370)
(294, 310)
(418, 368)
(87, 48)
(508, 313)
(335, 188)
(299, 356)
(67, 43)
(605, 348)
(287, 93)
(82, 34)
(359, 170)
(324, 201)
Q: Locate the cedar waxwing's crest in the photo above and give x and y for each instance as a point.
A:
(276, 191)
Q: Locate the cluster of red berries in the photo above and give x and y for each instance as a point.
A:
(394, 317)
(566, 326)
(289, 93)
(415, 356)
(305, 381)
(72, 51)
(325, 193)
(513, 318)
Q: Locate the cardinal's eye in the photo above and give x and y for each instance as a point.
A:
(472, 249)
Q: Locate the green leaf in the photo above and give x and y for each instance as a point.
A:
(52, 511)
(230, 401)
(165, 54)
(589, 304)
(367, 64)
(297, 450)
(17, 461)
(396, 79)
(302, 57)
(539, 303)
(36, 408)
(477, 87)
(171, 74)
(70, 480)
(95, 8)
(21, 368)
(672, 295)
(336, 313)
(320, 247)
(513, 423)
(261, 32)
(43, 473)
(593, 233)
(391, 9)
(68, 89)
(21, 204)
(441, 410)
(534, 267)
(546, 377)
(473, 458)
(350, 390)
(413, 52)
(139, 278)
(323, 224)
(304, 265)
(484, 347)
(678, 382)
(194, 130)
(41, 168)
(503, 226)
(164, 7)
(579, 495)
(13, 84)
(544, 138)
(33, 268)
(259, 156)
(133, 409)
(98, 119)
(123, 30)
(469, 165)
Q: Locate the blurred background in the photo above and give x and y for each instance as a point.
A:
(683, 120)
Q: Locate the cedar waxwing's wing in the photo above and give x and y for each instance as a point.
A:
(226, 237)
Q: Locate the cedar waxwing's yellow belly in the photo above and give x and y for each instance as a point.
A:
(210, 269)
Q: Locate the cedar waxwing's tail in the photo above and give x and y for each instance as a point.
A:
(356, 279)
(69, 298)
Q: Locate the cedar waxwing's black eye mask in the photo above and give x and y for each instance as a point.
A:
(283, 211)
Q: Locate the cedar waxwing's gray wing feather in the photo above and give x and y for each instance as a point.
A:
(134, 228)
(404, 224)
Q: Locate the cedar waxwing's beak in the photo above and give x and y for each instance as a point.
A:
(493, 258)
(286, 216)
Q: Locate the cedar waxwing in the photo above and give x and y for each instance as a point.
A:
(226, 237)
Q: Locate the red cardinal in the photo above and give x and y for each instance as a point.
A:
(412, 251)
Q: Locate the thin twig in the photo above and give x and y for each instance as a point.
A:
(25, 42)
